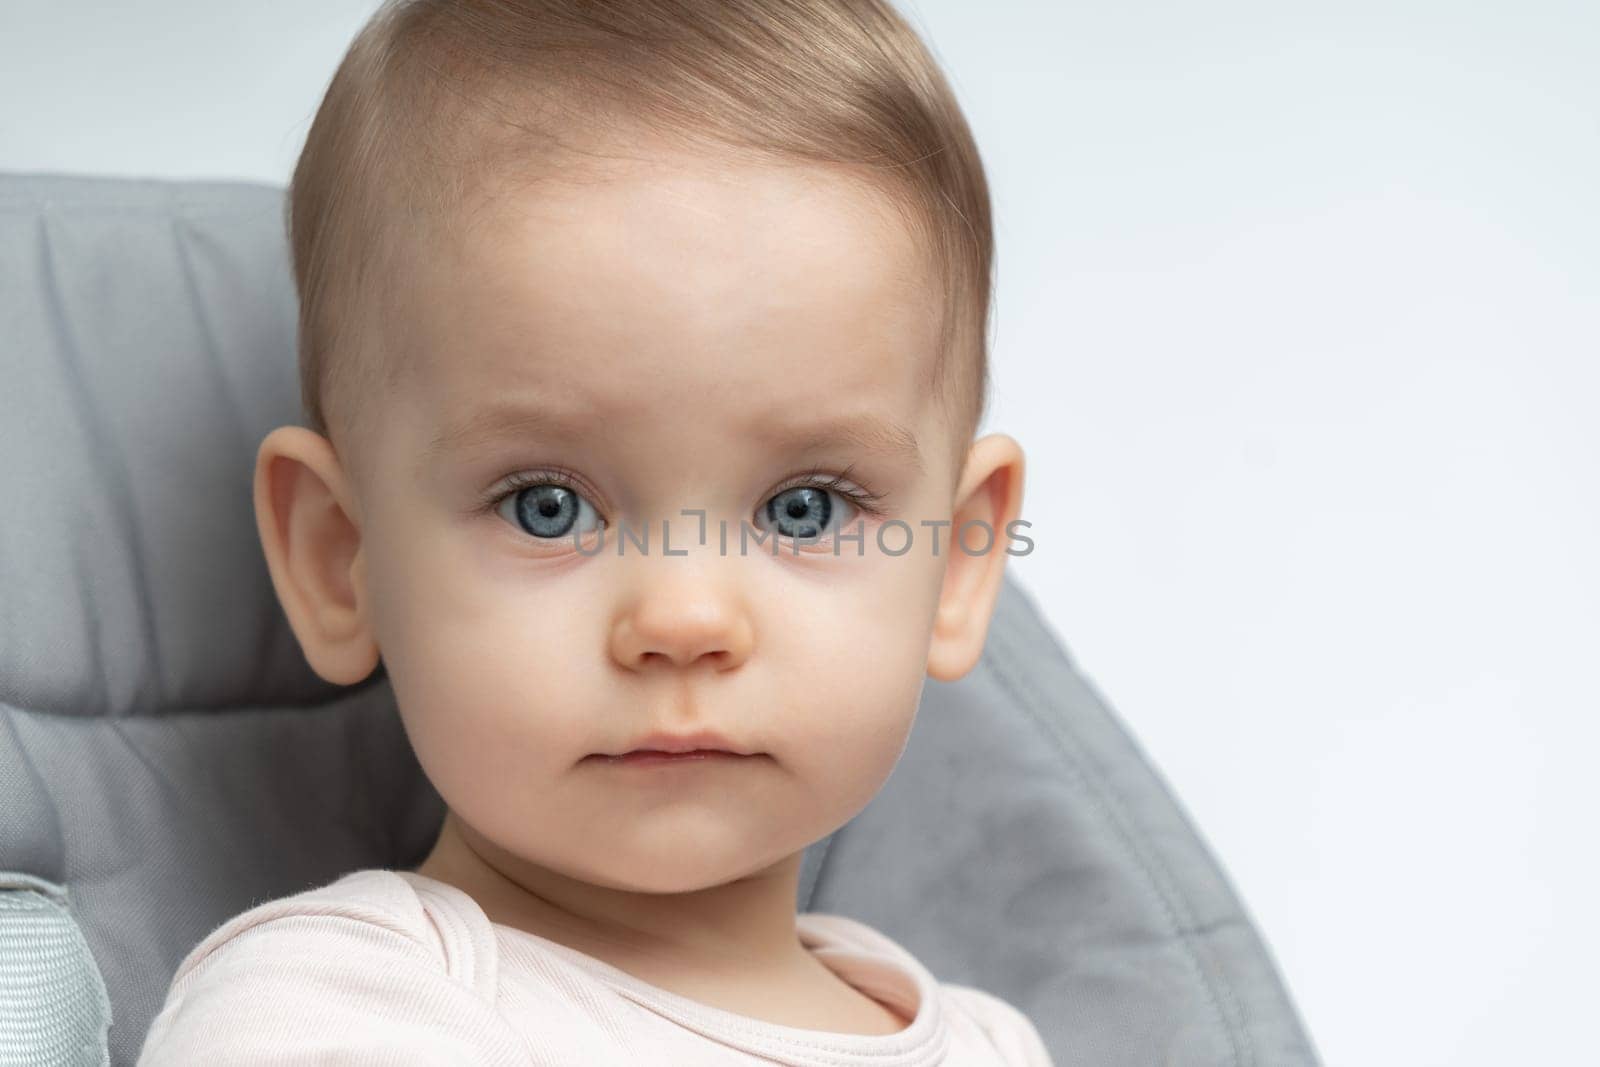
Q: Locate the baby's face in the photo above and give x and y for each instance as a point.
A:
(684, 335)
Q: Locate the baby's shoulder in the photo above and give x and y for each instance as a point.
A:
(976, 1018)
(369, 965)
(1006, 1028)
(372, 907)
(988, 1010)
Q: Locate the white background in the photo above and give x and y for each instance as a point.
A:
(1297, 320)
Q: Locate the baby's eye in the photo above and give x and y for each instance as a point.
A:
(807, 511)
(547, 510)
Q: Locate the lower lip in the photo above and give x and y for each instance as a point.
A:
(659, 759)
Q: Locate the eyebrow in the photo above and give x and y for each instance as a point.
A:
(496, 421)
(884, 437)
(881, 436)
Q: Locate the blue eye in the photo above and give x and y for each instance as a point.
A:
(548, 510)
(548, 505)
(804, 511)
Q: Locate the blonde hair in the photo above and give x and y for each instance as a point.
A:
(434, 97)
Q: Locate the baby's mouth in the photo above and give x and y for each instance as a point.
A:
(698, 743)
(646, 757)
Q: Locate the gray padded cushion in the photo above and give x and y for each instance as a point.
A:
(168, 755)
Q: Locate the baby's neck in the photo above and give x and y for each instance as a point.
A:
(732, 947)
(742, 927)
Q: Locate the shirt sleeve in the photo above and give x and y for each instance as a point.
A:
(322, 988)
(1012, 1033)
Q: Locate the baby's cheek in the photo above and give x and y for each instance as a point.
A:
(845, 726)
(492, 709)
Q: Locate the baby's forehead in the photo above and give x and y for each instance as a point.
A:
(661, 297)
(667, 210)
(650, 266)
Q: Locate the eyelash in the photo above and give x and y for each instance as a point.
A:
(865, 499)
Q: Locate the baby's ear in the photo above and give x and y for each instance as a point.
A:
(304, 514)
(989, 497)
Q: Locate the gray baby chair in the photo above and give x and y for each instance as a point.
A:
(168, 758)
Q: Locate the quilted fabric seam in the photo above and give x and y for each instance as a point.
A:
(1072, 749)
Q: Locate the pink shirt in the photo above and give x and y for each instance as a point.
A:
(396, 968)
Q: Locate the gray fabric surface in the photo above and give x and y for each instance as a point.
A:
(168, 756)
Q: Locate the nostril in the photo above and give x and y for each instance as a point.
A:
(719, 658)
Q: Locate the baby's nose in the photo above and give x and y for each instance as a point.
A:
(679, 626)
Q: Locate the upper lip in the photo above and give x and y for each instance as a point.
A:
(700, 739)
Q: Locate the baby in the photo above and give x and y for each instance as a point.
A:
(643, 350)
